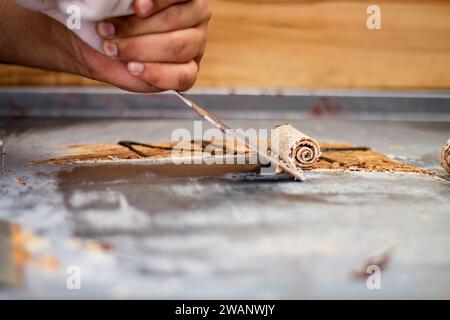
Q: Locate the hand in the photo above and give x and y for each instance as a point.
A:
(162, 44)
(169, 43)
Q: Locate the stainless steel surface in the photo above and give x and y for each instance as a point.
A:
(235, 236)
(227, 104)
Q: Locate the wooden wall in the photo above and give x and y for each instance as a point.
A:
(312, 44)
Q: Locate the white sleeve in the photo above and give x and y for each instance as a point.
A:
(91, 12)
(95, 10)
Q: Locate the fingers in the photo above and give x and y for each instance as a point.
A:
(164, 50)
(145, 8)
(113, 71)
(166, 76)
(177, 47)
(182, 16)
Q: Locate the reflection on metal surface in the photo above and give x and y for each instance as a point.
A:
(111, 199)
(20, 250)
(12, 256)
(136, 172)
(107, 211)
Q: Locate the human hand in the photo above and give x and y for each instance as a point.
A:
(168, 42)
(162, 45)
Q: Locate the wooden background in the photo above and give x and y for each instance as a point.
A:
(311, 44)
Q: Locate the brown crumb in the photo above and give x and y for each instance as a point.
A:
(20, 181)
(107, 246)
(381, 261)
(92, 245)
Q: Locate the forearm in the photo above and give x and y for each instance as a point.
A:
(33, 39)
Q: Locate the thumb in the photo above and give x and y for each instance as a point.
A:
(102, 68)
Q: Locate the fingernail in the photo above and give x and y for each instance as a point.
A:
(144, 6)
(136, 68)
(106, 29)
(110, 49)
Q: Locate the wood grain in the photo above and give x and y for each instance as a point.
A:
(311, 44)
